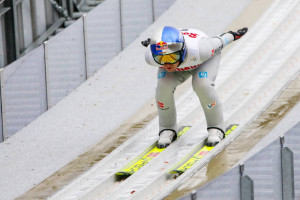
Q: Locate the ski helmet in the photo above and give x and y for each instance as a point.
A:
(168, 46)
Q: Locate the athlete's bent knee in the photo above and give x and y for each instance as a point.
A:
(201, 85)
(164, 87)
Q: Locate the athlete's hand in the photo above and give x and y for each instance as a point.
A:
(237, 35)
(145, 43)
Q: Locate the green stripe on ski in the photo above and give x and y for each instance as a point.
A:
(187, 162)
(145, 157)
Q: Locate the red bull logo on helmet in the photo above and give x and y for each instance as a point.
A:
(161, 47)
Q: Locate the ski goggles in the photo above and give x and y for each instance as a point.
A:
(168, 58)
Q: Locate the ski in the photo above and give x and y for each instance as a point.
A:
(188, 161)
(146, 156)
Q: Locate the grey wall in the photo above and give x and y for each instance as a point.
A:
(37, 81)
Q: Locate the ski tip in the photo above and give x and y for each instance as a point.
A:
(179, 172)
(123, 173)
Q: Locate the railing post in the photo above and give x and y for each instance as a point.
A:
(153, 10)
(194, 195)
(85, 39)
(247, 189)
(11, 32)
(246, 186)
(46, 73)
(1, 105)
(287, 172)
(3, 110)
(121, 24)
(70, 8)
(34, 20)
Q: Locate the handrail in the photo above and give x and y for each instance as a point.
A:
(60, 9)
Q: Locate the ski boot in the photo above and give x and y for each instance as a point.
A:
(166, 137)
(214, 137)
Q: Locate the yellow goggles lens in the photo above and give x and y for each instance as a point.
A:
(169, 58)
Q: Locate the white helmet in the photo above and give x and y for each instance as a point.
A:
(168, 46)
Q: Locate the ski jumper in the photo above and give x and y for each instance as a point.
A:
(202, 62)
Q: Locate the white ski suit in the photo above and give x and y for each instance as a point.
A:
(202, 63)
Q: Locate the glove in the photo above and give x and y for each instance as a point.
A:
(145, 43)
(237, 35)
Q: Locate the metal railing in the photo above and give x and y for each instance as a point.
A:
(29, 23)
